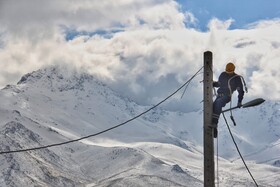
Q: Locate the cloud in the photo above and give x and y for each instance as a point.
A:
(217, 24)
(150, 57)
(39, 19)
(190, 19)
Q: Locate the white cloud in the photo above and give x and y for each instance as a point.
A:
(264, 23)
(148, 60)
(216, 24)
(39, 19)
(190, 19)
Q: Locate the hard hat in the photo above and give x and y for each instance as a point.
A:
(230, 68)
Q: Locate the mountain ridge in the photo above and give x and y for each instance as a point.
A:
(59, 107)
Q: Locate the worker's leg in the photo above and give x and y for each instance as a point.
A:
(218, 104)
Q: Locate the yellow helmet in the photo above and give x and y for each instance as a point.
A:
(230, 68)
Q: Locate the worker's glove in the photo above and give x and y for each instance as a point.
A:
(216, 84)
(239, 104)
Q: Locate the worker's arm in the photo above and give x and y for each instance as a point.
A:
(240, 90)
(217, 83)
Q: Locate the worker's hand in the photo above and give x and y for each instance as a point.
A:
(239, 104)
(216, 84)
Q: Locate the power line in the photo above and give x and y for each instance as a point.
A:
(239, 151)
(186, 87)
(106, 130)
(218, 181)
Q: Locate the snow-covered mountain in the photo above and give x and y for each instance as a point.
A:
(161, 148)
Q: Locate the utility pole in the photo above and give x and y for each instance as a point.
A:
(209, 166)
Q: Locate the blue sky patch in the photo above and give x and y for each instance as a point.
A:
(243, 12)
(71, 33)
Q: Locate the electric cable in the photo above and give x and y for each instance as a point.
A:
(187, 85)
(106, 130)
(185, 89)
(239, 151)
(217, 155)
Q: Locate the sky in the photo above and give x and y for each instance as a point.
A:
(242, 12)
(144, 49)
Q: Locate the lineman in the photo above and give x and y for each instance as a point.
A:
(228, 82)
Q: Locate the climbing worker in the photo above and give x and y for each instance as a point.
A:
(228, 82)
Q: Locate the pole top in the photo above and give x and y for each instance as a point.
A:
(208, 55)
(208, 52)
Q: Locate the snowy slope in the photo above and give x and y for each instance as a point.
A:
(161, 148)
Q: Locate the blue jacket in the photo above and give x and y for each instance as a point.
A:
(235, 84)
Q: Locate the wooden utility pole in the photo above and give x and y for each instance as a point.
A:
(209, 166)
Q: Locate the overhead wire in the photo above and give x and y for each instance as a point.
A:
(185, 89)
(187, 85)
(217, 155)
(237, 148)
(106, 130)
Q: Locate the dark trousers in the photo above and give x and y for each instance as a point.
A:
(218, 104)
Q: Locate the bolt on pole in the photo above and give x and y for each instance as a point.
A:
(209, 165)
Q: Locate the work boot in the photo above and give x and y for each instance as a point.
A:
(215, 132)
(214, 123)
